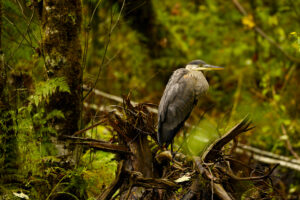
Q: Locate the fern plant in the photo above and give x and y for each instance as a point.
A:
(45, 89)
(33, 120)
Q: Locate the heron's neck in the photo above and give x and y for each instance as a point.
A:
(196, 74)
(201, 84)
(190, 67)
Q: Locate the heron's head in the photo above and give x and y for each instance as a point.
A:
(200, 65)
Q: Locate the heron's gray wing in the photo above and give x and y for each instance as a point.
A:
(176, 105)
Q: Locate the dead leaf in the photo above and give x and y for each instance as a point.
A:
(183, 179)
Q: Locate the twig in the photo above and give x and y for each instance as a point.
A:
(264, 35)
(86, 35)
(203, 170)
(287, 78)
(211, 184)
(88, 128)
(105, 50)
(20, 32)
(247, 178)
(20, 43)
(238, 162)
(108, 147)
(94, 11)
(288, 143)
(115, 98)
(218, 188)
(83, 139)
(128, 192)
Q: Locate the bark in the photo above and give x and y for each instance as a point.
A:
(61, 23)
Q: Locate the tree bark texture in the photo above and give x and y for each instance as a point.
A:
(61, 23)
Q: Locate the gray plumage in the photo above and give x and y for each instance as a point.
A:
(179, 98)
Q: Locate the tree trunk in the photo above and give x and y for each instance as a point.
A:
(61, 23)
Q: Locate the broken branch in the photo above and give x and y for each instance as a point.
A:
(214, 150)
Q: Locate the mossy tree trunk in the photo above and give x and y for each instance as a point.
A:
(61, 24)
(8, 150)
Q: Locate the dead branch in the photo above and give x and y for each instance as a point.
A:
(203, 170)
(263, 153)
(214, 150)
(247, 178)
(108, 147)
(194, 190)
(117, 99)
(83, 139)
(221, 192)
(269, 160)
(98, 108)
(217, 188)
(156, 183)
(88, 128)
(106, 95)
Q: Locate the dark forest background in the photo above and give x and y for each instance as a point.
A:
(53, 53)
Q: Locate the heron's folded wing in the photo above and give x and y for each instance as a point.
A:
(177, 103)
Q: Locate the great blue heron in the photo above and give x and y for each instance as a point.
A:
(184, 88)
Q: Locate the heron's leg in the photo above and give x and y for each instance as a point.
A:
(172, 153)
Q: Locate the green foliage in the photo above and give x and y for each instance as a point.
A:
(33, 123)
(21, 35)
(56, 179)
(98, 163)
(34, 116)
(295, 38)
(45, 89)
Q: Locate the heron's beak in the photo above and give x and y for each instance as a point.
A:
(208, 67)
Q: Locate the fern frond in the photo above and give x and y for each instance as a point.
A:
(46, 89)
(55, 114)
